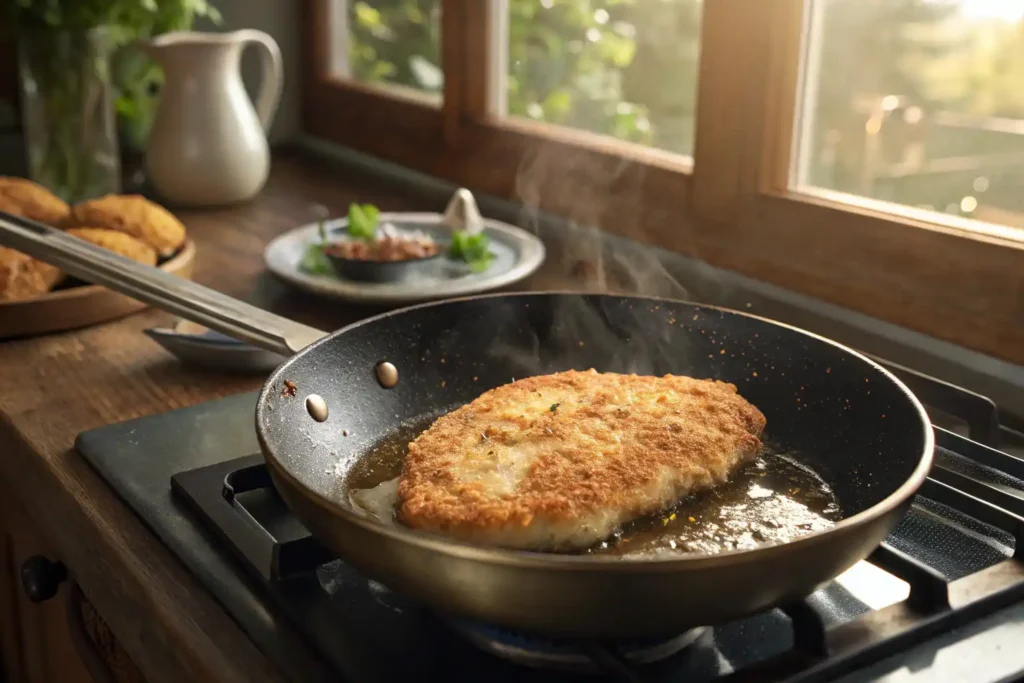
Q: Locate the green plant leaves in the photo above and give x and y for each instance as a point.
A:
(127, 20)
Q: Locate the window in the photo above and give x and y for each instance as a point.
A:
(389, 44)
(600, 66)
(864, 152)
(917, 103)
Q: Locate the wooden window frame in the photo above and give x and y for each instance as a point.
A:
(732, 206)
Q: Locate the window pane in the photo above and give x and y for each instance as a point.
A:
(917, 102)
(624, 68)
(391, 43)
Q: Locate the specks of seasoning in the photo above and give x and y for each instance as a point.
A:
(289, 389)
(883, 416)
(722, 352)
(828, 371)
(475, 378)
(344, 432)
(692, 519)
(581, 343)
(483, 437)
(711, 355)
(554, 407)
(694, 316)
(755, 373)
(442, 360)
(443, 383)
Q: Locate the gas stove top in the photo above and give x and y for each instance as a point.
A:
(941, 600)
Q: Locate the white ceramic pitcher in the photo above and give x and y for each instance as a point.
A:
(208, 144)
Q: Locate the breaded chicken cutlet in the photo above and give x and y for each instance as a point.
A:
(23, 277)
(133, 215)
(117, 242)
(22, 197)
(562, 461)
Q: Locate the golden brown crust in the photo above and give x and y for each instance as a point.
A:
(22, 197)
(572, 446)
(23, 277)
(117, 242)
(134, 215)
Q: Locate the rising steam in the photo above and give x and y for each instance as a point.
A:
(588, 259)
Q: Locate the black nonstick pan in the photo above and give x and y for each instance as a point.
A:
(832, 411)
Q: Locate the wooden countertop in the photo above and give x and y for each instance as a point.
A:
(57, 386)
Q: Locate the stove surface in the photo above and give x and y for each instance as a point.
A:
(318, 619)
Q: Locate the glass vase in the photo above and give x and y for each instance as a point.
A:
(68, 112)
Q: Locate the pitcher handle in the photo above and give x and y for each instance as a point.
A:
(272, 75)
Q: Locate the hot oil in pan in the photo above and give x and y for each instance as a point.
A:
(773, 500)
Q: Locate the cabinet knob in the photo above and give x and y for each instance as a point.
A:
(41, 578)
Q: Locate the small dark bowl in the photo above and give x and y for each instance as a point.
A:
(381, 271)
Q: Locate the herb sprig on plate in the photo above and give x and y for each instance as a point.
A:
(315, 261)
(362, 221)
(362, 225)
(473, 249)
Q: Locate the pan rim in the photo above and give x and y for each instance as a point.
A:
(604, 563)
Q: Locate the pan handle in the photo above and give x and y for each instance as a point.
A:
(153, 286)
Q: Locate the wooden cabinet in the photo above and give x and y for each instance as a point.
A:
(60, 639)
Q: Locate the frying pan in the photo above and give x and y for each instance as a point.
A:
(841, 414)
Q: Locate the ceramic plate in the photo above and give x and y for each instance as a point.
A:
(197, 345)
(517, 254)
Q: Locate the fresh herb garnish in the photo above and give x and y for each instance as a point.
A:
(314, 260)
(362, 221)
(362, 225)
(473, 249)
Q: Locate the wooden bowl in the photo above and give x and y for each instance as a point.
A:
(74, 307)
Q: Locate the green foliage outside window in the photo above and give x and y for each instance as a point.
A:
(628, 69)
